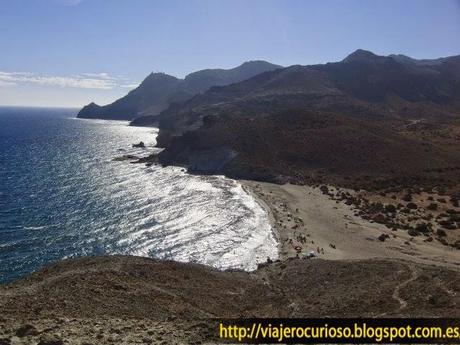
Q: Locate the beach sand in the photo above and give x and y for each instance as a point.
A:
(305, 220)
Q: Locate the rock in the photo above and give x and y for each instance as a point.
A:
(26, 330)
(141, 145)
(5, 341)
(124, 158)
(383, 237)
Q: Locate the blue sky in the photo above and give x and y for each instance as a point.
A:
(71, 52)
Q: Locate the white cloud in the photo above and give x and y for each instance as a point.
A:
(99, 75)
(130, 86)
(101, 81)
(6, 83)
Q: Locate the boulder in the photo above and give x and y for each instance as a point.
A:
(141, 145)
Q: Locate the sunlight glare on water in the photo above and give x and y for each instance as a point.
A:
(63, 195)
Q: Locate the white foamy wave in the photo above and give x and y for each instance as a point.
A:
(206, 219)
(34, 227)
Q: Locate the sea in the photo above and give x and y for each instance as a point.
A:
(66, 191)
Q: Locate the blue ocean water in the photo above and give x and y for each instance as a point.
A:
(64, 193)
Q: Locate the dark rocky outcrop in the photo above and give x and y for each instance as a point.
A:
(139, 145)
(91, 110)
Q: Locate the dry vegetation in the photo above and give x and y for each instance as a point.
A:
(114, 300)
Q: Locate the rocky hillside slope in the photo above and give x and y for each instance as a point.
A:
(122, 299)
(367, 115)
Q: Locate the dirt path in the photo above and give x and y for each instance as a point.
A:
(396, 293)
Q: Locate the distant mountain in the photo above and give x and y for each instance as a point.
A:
(347, 118)
(362, 81)
(152, 95)
(422, 62)
(159, 90)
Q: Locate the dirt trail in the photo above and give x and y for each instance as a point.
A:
(396, 293)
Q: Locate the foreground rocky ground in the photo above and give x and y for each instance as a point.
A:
(133, 300)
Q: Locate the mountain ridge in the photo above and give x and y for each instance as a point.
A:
(347, 113)
(158, 90)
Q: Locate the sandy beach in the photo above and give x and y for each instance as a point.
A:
(305, 220)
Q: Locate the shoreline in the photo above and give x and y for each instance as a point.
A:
(304, 220)
(271, 219)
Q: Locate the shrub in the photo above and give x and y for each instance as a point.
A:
(411, 206)
(422, 227)
(432, 207)
(407, 197)
(390, 208)
(441, 233)
(413, 232)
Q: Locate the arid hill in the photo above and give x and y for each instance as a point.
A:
(132, 299)
(367, 115)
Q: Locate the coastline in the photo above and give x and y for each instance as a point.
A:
(305, 220)
(249, 189)
(122, 299)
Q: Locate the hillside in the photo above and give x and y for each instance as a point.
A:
(363, 116)
(123, 299)
(159, 90)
